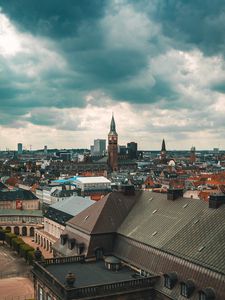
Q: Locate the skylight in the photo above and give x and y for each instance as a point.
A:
(201, 248)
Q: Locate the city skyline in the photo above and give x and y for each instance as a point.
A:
(66, 66)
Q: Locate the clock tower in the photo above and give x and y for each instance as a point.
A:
(113, 146)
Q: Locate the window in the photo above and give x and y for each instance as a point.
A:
(71, 243)
(40, 293)
(202, 296)
(184, 291)
(207, 294)
(170, 280)
(167, 282)
(63, 238)
(187, 288)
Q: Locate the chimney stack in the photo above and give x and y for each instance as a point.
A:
(216, 200)
(173, 194)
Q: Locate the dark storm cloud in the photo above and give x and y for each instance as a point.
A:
(149, 94)
(83, 33)
(53, 18)
(192, 23)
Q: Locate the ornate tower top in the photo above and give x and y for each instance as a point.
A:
(113, 126)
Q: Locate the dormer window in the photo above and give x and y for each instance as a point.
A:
(207, 294)
(187, 288)
(80, 248)
(170, 280)
(71, 243)
(63, 238)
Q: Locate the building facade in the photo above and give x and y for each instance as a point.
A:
(179, 240)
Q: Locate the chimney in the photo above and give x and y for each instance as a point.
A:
(216, 200)
(127, 189)
(173, 194)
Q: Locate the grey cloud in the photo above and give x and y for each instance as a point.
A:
(96, 61)
(53, 18)
(193, 23)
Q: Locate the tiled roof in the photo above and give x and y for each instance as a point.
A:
(155, 220)
(7, 195)
(105, 215)
(185, 227)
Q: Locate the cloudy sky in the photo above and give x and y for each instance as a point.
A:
(159, 65)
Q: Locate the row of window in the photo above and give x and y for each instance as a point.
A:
(79, 247)
(20, 219)
(41, 294)
(187, 288)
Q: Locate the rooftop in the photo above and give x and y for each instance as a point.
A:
(92, 278)
(187, 228)
(73, 205)
(96, 179)
(16, 194)
(92, 273)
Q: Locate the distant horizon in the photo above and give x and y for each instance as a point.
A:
(145, 150)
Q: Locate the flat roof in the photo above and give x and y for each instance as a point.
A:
(91, 273)
(96, 179)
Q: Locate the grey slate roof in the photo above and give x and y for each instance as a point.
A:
(185, 227)
(105, 215)
(73, 205)
(17, 193)
(62, 193)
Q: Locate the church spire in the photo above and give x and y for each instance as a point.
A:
(163, 146)
(113, 126)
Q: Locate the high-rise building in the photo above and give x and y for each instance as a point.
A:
(113, 146)
(99, 146)
(20, 148)
(132, 150)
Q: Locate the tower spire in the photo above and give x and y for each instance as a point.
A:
(163, 146)
(112, 125)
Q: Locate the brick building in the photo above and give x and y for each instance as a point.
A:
(174, 243)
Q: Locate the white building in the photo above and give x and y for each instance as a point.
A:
(92, 183)
(44, 193)
(56, 217)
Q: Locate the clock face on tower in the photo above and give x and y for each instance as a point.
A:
(112, 138)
